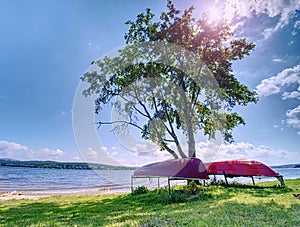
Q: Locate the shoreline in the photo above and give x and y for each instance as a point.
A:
(37, 194)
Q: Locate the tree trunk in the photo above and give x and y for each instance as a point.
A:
(191, 139)
(180, 151)
(189, 127)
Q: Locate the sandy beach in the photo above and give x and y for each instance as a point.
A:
(35, 194)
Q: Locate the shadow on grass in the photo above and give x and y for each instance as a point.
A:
(229, 214)
(141, 211)
(261, 190)
(212, 207)
(95, 210)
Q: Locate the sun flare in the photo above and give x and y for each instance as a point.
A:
(217, 13)
(214, 15)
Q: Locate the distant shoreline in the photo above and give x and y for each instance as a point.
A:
(84, 165)
(61, 165)
(286, 166)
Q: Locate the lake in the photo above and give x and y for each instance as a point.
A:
(59, 180)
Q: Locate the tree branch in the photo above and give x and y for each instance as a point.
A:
(162, 141)
(139, 111)
(114, 122)
(164, 145)
(172, 131)
(155, 106)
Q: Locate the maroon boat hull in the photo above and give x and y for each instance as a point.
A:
(180, 168)
(240, 168)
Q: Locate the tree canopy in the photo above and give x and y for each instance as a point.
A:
(174, 77)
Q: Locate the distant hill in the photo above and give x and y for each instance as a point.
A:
(61, 165)
(287, 166)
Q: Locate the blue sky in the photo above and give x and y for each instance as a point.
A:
(45, 47)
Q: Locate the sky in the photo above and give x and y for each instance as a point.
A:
(46, 46)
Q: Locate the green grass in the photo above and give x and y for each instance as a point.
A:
(262, 205)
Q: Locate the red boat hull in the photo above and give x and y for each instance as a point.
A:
(181, 168)
(240, 168)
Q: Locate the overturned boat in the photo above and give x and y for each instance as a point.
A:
(242, 168)
(175, 169)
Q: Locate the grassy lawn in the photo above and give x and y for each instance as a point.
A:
(262, 205)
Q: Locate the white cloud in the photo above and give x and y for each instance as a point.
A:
(268, 87)
(291, 95)
(296, 28)
(280, 127)
(77, 159)
(145, 148)
(275, 84)
(114, 153)
(283, 9)
(245, 150)
(91, 154)
(9, 149)
(11, 146)
(291, 42)
(278, 60)
(293, 117)
(55, 154)
(141, 154)
(209, 151)
(103, 149)
(101, 155)
(21, 152)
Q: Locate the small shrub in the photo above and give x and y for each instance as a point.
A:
(219, 182)
(140, 190)
(192, 188)
(161, 190)
(177, 197)
(173, 196)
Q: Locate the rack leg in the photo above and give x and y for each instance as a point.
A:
(225, 178)
(253, 180)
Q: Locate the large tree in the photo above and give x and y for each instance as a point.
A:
(173, 77)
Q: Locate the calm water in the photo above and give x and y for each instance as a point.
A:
(28, 179)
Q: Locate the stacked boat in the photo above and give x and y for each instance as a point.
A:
(195, 169)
